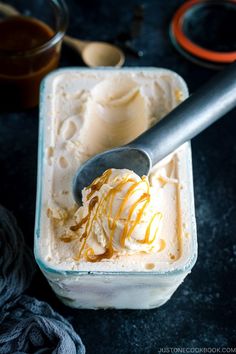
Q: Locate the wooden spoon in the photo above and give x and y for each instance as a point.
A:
(94, 54)
(8, 9)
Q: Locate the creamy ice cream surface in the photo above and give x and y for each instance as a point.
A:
(119, 216)
(118, 110)
(126, 222)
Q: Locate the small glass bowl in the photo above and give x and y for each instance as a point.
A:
(22, 69)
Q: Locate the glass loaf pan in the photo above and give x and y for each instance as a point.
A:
(109, 289)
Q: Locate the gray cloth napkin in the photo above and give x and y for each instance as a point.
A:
(16, 261)
(26, 324)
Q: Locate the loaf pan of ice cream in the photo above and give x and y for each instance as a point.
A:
(84, 112)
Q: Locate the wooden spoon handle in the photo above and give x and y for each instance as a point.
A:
(8, 10)
(75, 43)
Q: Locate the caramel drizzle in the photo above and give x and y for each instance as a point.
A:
(98, 182)
(112, 223)
(148, 230)
(127, 232)
(111, 196)
(88, 226)
(92, 203)
(80, 224)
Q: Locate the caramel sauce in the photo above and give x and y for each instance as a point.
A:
(92, 203)
(129, 224)
(21, 71)
(140, 212)
(111, 194)
(67, 238)
(162, 245)
(148, 230)
(130, 191)
(98, 182)
(80, 224)
(172, 256)
(91, 257)
(87, 231)
(127, 233)
(150, 266)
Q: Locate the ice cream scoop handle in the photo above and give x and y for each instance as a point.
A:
(212, 101)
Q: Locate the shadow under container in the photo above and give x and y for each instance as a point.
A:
(22, 63)
(111, 289)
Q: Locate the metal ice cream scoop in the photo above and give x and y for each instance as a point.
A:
(191, 117)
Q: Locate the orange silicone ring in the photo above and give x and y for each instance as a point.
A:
(190, 46)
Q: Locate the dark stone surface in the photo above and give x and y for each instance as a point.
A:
(202, 311)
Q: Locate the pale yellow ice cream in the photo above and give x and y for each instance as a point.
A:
(148, 228)
(119, 216)
(124, 102)
(115, 114)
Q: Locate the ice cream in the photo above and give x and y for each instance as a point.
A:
(119, 216)
(132, 241)
(116, 113)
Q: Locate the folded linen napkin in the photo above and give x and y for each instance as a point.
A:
(26, 324)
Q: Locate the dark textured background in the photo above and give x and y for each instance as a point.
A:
(202, 311)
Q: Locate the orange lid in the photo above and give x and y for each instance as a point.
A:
(187, 44)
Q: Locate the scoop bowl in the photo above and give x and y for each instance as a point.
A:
(134, 159)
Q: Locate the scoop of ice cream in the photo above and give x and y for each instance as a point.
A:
(116, 113)
(119, 216)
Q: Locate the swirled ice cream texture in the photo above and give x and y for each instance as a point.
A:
(116, 113)
(119, 216)
(88, 103)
